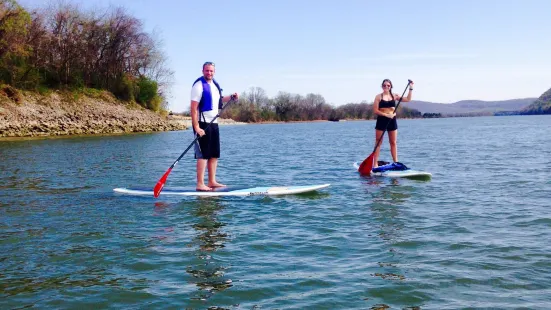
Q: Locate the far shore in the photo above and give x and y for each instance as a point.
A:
(186, 121)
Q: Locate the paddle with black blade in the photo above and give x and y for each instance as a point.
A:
(161, 183)
(367, 165)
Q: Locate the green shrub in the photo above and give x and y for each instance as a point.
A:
(43, 90)
(92, 92)
(155, 103)
(125, 88)
(147, 92)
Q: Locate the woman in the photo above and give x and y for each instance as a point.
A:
(384, 107)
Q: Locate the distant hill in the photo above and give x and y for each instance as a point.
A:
(471, 106)
(541, 106)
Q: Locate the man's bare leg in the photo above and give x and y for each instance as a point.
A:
(201, 166)
(213, 163)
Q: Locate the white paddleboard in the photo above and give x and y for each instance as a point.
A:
(223, 191)
(409, 173)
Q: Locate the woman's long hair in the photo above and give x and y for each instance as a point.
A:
(390, 90)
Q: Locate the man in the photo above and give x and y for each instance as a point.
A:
(206, 100)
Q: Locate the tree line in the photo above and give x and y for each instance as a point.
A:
(62, 47)
(255, 106)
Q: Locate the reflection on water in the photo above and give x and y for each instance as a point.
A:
(388, 198)
(207, 272)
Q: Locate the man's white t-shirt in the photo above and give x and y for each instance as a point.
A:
(196, 94)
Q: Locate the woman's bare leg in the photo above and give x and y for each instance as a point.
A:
(378, 134)
(392, 140)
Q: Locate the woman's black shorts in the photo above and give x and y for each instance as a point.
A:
(383, 121)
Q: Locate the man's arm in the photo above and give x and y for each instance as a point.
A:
(195, 118)
(228, 98)
(196, 93)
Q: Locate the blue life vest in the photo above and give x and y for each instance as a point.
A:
(206, 98)
(397, 166)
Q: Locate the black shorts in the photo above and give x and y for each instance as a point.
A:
(383, 121)
(208, 146)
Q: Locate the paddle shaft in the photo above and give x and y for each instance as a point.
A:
(388, 123)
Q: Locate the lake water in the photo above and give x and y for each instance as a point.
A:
(476, 236)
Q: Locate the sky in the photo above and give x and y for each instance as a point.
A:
(342, 50)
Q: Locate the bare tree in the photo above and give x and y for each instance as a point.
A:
(14, 22)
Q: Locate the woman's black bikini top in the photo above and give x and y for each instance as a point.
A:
(387, 104)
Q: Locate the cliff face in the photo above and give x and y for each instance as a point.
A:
(32, 114)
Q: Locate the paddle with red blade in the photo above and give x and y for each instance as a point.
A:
(161, 183)
(367, 165)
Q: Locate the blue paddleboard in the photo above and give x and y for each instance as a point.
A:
(408, 173)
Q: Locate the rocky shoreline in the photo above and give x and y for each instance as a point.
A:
(61, 114)
(58, 114)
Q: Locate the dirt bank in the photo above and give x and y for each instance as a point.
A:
(31, 114)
